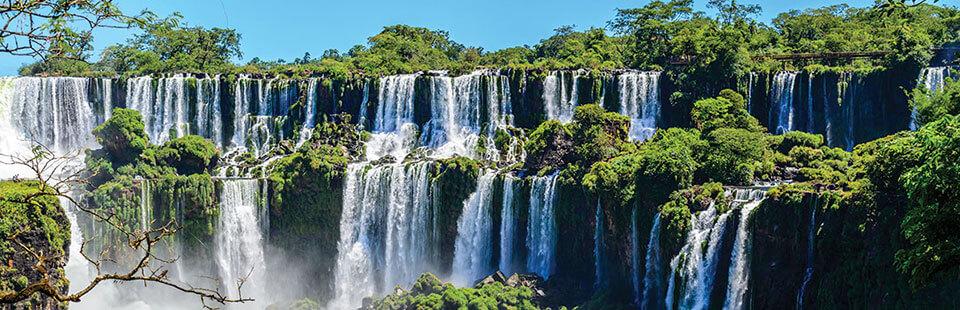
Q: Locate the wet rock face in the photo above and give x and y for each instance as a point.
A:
(41, 226)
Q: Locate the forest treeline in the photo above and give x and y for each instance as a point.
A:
(656, 36)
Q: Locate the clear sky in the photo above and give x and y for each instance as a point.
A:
(286, 29)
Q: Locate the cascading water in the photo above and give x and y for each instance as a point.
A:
(696, 266)
(542, 227)
(240, 240)
(808, 270)
(455, 115)
(473, 248)
(739, 273)
(782, 109)
(54, 112)
(394, 132)
(598, 248)
(508, 224)
(310, 120)
(640, 100)
(384, 230)
(209, 120)
(164, 108)
(653, 277)
(932, 78)
(558, 100)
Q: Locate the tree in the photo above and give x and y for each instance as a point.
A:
(171, 45)
(57, 28)
(650, 29)
(933, 242)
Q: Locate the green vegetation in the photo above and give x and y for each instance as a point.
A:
(932, 105)
(428, 292)
(33, 219)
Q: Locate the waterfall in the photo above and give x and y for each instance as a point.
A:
(695, 266)
(635, 256)
(240, 240)
(810, 116)
(640, 100)
(310, 120)
(394, 132)
(455, 115)
(750, 77)
(653, 278)
(508, 222)
(473, 251)
(556, 102)
(54, 112)
(11, 141)
(739, 273)
(598, 248)
(848, 99)
(384, 236)
(932, 78)
(146, 205)
(781, 105)
(164, 109)
(209, 122)
(542, 227)
(808, 271)
(827, 114)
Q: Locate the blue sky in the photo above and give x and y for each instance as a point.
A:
(286, 29)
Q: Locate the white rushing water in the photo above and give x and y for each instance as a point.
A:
(393, 132)
(542, 227)
(384, 230)
(640, 100)
(739, 273)
(653, 277)
(560, 98)
(163, 108)
(240, 240)
(697, 262)
(599, 247)
(508, 226)
(781, 105)
(932, 78)
(473, 251)
(808, 270)
(310, 120)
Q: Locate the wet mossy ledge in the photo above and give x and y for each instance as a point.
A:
(32, 217)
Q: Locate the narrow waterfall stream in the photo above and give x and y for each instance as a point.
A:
(473, 249)
(508, 230)
(811, 246)
(781, 105)
(653, 277)
(560, 98)
(542, 227)
(739, 274)
(598, 249)
(240, 240)
(695, 265)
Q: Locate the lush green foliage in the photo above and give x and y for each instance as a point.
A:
(933, 249)
(428, 292)
(932, 105)
(171, 45)
(122, 136)
(189, 154)
(34, 219)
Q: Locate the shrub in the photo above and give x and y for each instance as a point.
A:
(122, 136)
(189, 154)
